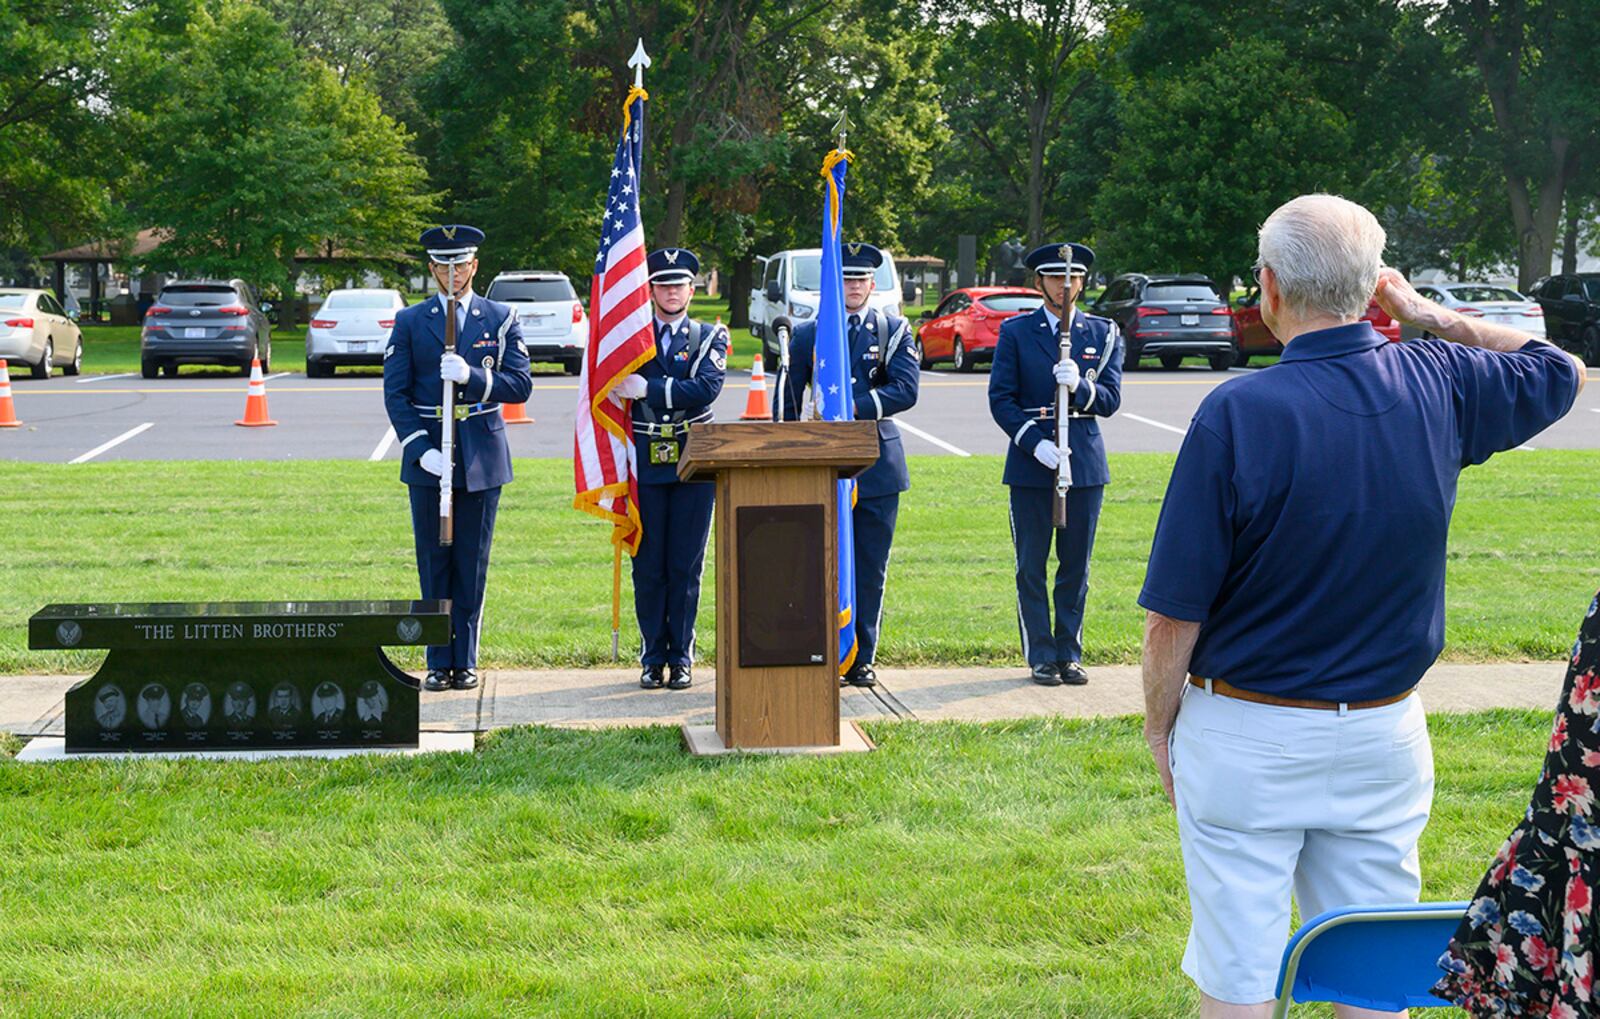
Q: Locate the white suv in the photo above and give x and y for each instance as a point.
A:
(554, 325)
(789, 292)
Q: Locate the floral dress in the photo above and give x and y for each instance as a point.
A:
(1527, 944)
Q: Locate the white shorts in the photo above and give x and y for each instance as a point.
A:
(1274, 800)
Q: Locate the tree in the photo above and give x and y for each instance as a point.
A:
(387, 46)
(1534, 61)
(1015, 74)
(1182, 195)
(56, 134)
(250, 155)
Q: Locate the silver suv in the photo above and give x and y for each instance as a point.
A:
(553, 322)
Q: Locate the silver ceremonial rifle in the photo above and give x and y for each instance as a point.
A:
(1063, 404)
(447, 428)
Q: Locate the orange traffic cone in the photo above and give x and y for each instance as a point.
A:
(515, 414)
(8, 412)
(255, 404)
(757, 408)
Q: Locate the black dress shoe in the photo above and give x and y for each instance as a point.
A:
(680, 678)
(651, 678)
(1045, 674)
(464, 679)
(438, 679)
(861, 675)
(1072, 673)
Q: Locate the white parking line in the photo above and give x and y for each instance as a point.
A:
(919, 433)
(384, 443)
(101, 378)
(277, 375)
(119, 440)
(1527, 448)
(1154, 424)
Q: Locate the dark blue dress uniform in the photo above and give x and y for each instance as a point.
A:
(489, 339)
(684, 379)
(1022, 395)
(884, 377)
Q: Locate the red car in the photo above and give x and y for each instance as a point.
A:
(966, 326)
(1253, 337)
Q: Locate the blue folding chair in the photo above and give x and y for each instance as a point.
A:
(1379, 957)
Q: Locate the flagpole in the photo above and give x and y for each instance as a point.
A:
(638, 61)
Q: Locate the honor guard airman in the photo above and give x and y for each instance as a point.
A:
(884, 376)
(488, 366)
(1028, 368)
(671, 393)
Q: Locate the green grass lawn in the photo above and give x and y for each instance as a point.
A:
(1521, 568)
(1017, 869)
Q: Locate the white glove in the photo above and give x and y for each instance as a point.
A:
(632, 388)
(452, 368)
(1047, 453)
(433, 462)
(1067, 374)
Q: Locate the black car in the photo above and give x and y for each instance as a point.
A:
(1571, 306)
(205, 322)
(1170, 318)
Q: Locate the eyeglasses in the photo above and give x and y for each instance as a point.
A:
(1256, 271)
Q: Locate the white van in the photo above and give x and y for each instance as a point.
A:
(790, 289)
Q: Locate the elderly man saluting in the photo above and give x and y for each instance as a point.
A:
(1296, 591)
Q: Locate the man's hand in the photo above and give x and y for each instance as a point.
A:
(1395, 296)
(632, 388)
(1067, 375)
(1048, 454)
(1163, 756)
(433, 462)
(1400, 300)
(452, 368)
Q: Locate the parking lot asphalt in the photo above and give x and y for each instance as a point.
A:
(111, 417)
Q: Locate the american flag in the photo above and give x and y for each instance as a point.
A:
(620, 340)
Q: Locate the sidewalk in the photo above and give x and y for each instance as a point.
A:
(32, 705)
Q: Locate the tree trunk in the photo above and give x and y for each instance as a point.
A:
(739, 283)
(1569, 241)
(1038, 118)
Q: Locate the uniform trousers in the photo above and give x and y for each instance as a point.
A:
(1032, 532)
(460, 572)
(873, 525)
(666, 572)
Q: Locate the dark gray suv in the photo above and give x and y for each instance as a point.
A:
(1169, 318)
(205, 322)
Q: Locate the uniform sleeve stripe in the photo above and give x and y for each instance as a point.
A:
(414, 435)
(488, 383)
(667, 390)
(875, 401)
(1017, 438)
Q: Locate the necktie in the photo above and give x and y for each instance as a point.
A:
(664, 339)
(855, 328)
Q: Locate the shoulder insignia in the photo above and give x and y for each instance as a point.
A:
(719, 359)
(386, 352)
(522, 348)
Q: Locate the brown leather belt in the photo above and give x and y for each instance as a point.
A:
(1229, 690)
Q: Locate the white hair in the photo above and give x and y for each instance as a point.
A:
(1325, 252)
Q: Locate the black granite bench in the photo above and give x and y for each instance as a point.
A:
(241, 675)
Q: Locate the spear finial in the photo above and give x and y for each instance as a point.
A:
(842, 128)
(639, 61)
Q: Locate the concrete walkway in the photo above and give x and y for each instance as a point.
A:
(32, 705)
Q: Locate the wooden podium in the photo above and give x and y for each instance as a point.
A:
(777, 580)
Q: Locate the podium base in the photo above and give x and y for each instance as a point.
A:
(703, 741)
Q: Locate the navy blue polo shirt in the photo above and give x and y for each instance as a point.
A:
(1304, 526)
